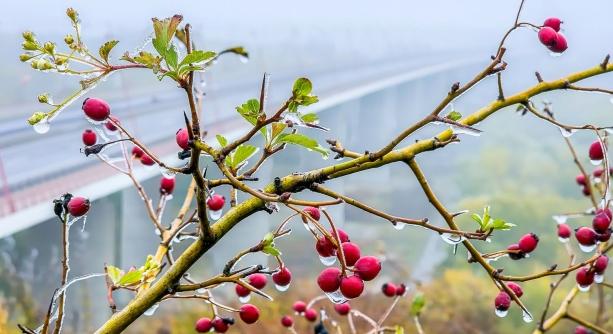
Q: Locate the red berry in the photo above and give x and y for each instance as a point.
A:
(182, 138)
(581, 330)
(401, 289)
(352, 253)
(517, 290)
(89, 137)
(329, 279)
(342, 309)
(203, 325)
(604, 237)
(528, 242)
(78, 206)
(220, 325)
(606, 211)
(96, 109)
(241, 291)
(513, 252)
(352, 286)
(287, 321)
(586, 236)
(564, 231)
(560, 44)
(600, 265)
(553, 23)
(367, 267)
(502, 301)
(299, 306)
(146, 160)
(310, 315)
(598, 172)
(596, 151)
(258, 281)
(580, 180)
(110, 125)
(167, 185)
(282, 277)
(215, 202)
(601, 223)
(342, 235)
(547, 36)
(584, 276)
(586, 191)
(137, 152)
(249, 313)
(324, 247)
(313, 212)
(389, 289)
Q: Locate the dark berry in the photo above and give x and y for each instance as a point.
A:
(515, 252)
(584, 276)
(601, 223)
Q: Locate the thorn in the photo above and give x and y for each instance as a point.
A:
(454, 87)
(552, 268)
(605, 62)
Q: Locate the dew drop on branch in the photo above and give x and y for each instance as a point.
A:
(527, 317)
(42, 126)
(452, 239)
(327, 260)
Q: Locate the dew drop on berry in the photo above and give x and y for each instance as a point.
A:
(215, 214)
(327, 260)
(587, 249)
(527, 317)
(150, 311)
(42, 126)
(452, 239)
(501, 313)
(583, 288)
(336, 297)
(596, 162)
(281, 287)
(567, 132)
(245, 299)
(560, 219)
(399, 226)
(598, 278)
(555, 54)
(563, 240)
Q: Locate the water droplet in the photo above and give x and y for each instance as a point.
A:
(501, 313)
(598, 278)
(151, 310)
(596, 162)
(245, 299)
(611, 100)
(42, 126)
(597, 180)
(215, 214)
(167, 173)
(282, 287)
(336, 297)
(243, 59)
(201, 290)
(465, 131)
(560, 219)
(309, 226)
(555, 54)
(527, 317)
(84, 221)
(587, 249)
(563, 240)
(452, 239)
(488, 240)
(327, 261)
(399, 226)
(584, 288)
(157, 232)
(567, 132)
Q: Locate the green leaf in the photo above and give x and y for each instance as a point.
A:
(399, 330)
(130, 278)
(147, 59)
(268, 238)
(164, 31)
(221, 140)
(454, 115)
(477, 218)
(106, 48)
(309, 118)
(271, 250)
(302, 86)
(242, 153)
(114, 274)
(418, 303)
(302, 140)
(159, 46)
(239, 50)
(250, 111)
(172, 58)
(277, 129)
(197, 56)
(501, 224)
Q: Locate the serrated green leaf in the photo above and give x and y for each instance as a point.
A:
(159, 46)
(454, 116)
(221, 140)
(197, 56)
(250, 111)
(114, 274)
(172, 57)
(105, 49)
(165, 30)
(418, 303)
(309, 118)
(271, 250)
(130, 278)
(302, 86)
(302, 140)
(242, 153)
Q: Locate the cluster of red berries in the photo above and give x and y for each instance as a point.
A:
(502, 303)
(259, 281)
(524, 246)
(219, 325)
(596, 154)
(391, 290)
(550, 36)
(588, 237)
(300, 308)
(587, 275)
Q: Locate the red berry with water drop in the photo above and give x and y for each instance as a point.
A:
(352, 286)
(367, 267)
(596, 152)
(258, 280)
(96, 109)
(78, 206)
(182, 138)
(553, 23)
(329, 279)
(89, 137)
(282, 277)
(586, 236)
(167, 185)
(215, 202)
